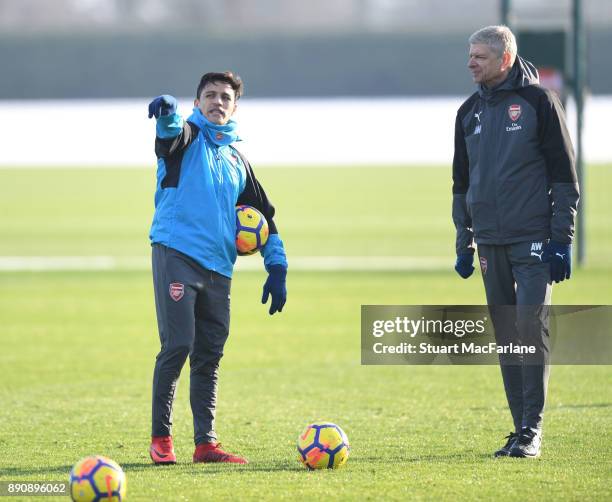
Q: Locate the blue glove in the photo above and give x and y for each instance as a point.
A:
(465, 264)
(560, 258)
(162, 105)
(276, 285)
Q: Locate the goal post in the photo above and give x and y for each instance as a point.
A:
(558, 50)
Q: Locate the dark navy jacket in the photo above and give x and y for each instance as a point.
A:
(514, 178)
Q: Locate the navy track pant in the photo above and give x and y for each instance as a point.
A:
(193, 313)
(519, 289)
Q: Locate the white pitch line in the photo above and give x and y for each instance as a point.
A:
(314, 263)
(51, 263)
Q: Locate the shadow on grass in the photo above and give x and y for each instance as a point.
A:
(466, 456)
(62, 470)
(580, 406)
(548, 408)
(186, 466)
(284, 466)
(254, 466)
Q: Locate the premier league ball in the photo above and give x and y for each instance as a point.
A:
(323, 445)
(251, 230)
(97, 478)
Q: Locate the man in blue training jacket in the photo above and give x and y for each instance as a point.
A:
(201, 177)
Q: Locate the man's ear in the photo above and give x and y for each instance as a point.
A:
(506, 60)
(196, 103)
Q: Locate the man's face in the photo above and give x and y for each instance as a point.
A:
(217, 102)
(487, 68)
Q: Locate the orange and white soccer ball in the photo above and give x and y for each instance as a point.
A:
(323, 445)
(251, 230)
(97, 478)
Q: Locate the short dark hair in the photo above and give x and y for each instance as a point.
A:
(227, 77)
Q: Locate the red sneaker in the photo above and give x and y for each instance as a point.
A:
(162, 450)
(212, 452)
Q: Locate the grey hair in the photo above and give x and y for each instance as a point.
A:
(499, 38)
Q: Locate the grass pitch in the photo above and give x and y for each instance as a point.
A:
(78, 350)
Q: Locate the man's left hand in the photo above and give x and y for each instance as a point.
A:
(464, 265)
(276, 285)
(560, 258)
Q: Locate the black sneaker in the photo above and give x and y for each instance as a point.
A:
(528, 444)
(504, 451)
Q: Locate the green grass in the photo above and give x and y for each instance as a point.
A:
(78, 350)
(324, 211)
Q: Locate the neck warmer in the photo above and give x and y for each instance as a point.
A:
(220, 135)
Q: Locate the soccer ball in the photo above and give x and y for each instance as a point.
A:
(251, 230)
(323, 445)
(97, 478)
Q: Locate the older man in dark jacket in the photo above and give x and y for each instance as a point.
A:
(515, 197)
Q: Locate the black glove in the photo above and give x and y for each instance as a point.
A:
(560, 258)
(465, 265)
(162, 105)
(276, 285)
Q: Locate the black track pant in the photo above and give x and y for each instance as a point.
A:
(519, 289)
(193, 312)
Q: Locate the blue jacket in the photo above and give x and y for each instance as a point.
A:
(200, 179)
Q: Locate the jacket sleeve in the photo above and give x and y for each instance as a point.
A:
(556, 147)
(254, 195)
(461, 181)
(173, 135)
